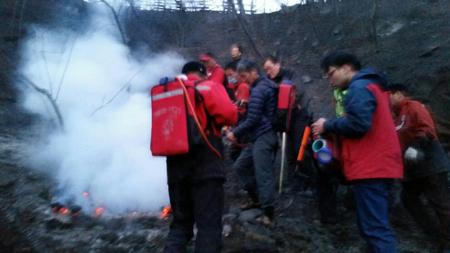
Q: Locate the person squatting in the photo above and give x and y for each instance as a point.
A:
(379, 135)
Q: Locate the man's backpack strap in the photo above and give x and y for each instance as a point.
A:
(191, 107)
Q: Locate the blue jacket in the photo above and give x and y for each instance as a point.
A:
(359, 104)
(261, 110)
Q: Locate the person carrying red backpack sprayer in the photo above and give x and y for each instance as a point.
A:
(187, 115)
(292, 116)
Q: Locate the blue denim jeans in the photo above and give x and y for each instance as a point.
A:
(373, 218)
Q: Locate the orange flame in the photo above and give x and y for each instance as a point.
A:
(166, 211)
(99, 211)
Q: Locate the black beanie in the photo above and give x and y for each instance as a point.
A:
(194, 66)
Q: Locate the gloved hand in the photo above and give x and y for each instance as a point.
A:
(413, 155)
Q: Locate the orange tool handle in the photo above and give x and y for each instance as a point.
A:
(301, 151)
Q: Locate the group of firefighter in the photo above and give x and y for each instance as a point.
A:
(378, 137)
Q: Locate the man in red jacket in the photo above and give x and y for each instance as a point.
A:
(240, 88)
(371, 155)
(196, 179)
(426, 165)
(215, 72)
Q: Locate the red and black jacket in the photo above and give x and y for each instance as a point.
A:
(370, 146)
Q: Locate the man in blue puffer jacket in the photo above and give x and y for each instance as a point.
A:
(255, 163)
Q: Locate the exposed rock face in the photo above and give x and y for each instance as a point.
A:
(406, 39)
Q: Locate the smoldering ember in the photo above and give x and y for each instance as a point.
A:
(80, 165)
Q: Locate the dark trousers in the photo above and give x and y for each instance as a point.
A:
(372, 210)
(254, 167)
(329, 177)
(301, 179)
(200, 203)
(435, 188)
(246, 172)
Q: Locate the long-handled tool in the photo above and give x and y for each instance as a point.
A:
(283, 158)
(305, 137)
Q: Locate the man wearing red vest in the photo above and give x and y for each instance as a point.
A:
(196, 179)
(371, 156)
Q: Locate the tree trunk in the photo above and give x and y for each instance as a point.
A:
(241, 7)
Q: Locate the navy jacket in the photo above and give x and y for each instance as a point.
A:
(261, 110)
(359, 105)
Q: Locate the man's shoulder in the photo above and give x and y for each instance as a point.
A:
(266, 83)
(413, 102)
(288, 74)
(205, 85)
(360, 84)
(364, 85)
(218, 68)
(412, 105)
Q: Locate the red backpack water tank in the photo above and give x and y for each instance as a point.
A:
(286, 102)
(169, 133)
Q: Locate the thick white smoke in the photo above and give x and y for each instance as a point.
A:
(102, 93)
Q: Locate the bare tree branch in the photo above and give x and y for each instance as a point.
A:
(69, 58)
(117, 19)
(124, 87)
(46, 93)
